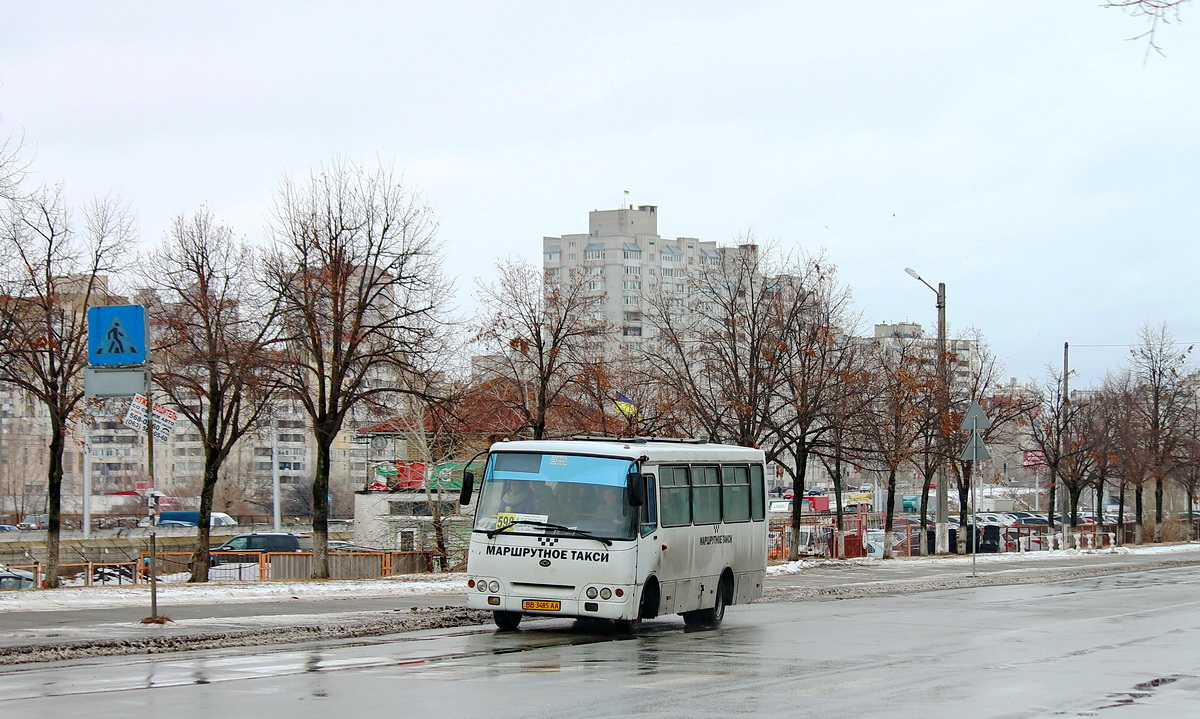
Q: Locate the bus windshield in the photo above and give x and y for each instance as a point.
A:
(568, 495)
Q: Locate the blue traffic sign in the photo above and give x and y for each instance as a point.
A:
(116, 335)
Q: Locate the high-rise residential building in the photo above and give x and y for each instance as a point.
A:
(964, 351)
(624, 257)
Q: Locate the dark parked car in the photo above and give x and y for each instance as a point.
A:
(249, 546)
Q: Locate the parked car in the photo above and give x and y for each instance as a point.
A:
(34, 521)
(247, 547)
(8, 528)
(16, 579)
(192, 519)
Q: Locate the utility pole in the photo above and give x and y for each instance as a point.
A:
(1066, 426)
(942, 541)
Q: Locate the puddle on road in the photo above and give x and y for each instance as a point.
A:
(1144, 690)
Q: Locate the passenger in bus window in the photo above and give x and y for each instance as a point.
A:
(517, 497)
(597, 506)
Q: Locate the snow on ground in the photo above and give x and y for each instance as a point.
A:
(804, 564)
(99, 597)
(133, 595)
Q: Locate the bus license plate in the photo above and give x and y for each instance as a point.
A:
(536, 605)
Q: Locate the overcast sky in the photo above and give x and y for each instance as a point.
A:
(1021, 151)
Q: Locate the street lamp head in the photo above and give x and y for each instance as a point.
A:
(912, 273)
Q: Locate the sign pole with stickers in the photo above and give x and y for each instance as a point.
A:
(974, 421)
(118, 359)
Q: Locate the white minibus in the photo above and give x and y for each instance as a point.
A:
(624, 529)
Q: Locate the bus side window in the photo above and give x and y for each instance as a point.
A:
(706, 495)
(676, 509)
(735, 493)
(757, 492)
(648, 512)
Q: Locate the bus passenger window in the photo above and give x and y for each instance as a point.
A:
(706, 495)
(735, 493)
(648, 512)
(676, 509)
(757, 493)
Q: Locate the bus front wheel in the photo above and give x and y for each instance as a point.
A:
(507, 621)
(710, 618)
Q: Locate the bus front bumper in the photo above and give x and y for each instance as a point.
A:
(613, 608)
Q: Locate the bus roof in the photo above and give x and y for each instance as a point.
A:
(655, 450)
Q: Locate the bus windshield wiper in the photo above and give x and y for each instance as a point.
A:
(547, 525)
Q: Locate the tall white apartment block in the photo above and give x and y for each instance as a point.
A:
(624, 257)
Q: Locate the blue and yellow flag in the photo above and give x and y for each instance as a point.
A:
(626, 406)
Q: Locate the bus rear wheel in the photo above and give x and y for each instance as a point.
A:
(507, 621)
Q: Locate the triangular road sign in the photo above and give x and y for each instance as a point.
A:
(116, 341)
(975, 418)
(975, 449)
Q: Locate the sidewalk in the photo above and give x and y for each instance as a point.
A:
(43, 625)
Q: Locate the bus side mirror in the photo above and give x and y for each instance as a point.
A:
(464, 495)
(635, 489)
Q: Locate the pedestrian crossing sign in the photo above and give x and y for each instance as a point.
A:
(116, 335)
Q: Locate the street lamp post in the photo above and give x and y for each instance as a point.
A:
(942, 541)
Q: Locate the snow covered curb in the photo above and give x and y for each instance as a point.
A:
(275, 630)
(802, 565)
(102, 597)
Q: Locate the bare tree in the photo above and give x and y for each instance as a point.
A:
(541, 339)
(1051, 423)
(1155, 12)
(12, 168)
(210, 354)
(1133, 455)
(57, 271)
(820, 366)
(1160, 405)
(717, 347)
(902, 385)
(358, 292)
(975, 380)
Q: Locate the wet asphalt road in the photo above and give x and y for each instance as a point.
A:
(1120, 645)
(830, 575)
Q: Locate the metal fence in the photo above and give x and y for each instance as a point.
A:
(175, 567)
(863, 537)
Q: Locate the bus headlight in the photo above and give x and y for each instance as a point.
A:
(494, 586)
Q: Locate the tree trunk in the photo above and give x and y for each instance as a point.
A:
(200, 556)
(1121, 514)
(925, 509)
(1073, 495)
(801, 459)
(840, 550)
(1138, 528)
(54, 497)
(891, 513)
(1158, 509)
(320, 494)
(1051, 502)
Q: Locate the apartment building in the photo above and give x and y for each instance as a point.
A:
(623, 256)
(964, 351)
